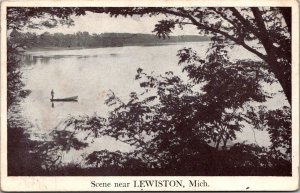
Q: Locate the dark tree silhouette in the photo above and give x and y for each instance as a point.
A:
(171, 123)
(278, 124)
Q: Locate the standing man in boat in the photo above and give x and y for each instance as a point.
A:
(52, 93)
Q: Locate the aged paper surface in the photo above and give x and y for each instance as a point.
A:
(149, 95)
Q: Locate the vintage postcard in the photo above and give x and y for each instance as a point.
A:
(149, 95)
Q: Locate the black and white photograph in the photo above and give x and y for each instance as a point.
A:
(149, 91)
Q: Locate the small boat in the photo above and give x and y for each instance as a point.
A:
(74, 98)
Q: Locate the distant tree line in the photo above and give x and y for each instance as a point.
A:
(85, 39)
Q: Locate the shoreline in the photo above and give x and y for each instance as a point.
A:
(34, 49)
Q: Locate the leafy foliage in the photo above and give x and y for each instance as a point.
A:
(21, 161)
(170, 124)
(223, 77)
(106, 159)
(279, 126)
(15, 91)
(164, 28)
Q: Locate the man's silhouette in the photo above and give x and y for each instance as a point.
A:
(52, 93)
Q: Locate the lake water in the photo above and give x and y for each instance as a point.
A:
(91, 73)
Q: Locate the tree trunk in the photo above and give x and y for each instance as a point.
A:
(218, 143)
(225, 142)
(287, 15)
(283, 75)
(281, 70)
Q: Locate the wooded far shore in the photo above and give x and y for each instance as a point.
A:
(85, 40)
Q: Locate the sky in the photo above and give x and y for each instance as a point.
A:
(103, 23)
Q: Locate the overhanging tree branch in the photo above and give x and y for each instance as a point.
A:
(214, 30)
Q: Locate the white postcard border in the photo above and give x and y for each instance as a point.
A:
(63, 183)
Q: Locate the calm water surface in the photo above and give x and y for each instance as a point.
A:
(88, 74)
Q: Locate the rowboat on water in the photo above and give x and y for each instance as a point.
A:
(74, 98)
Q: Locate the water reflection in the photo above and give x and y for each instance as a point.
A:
(28, 59)
(44, 60)
(70, 101)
